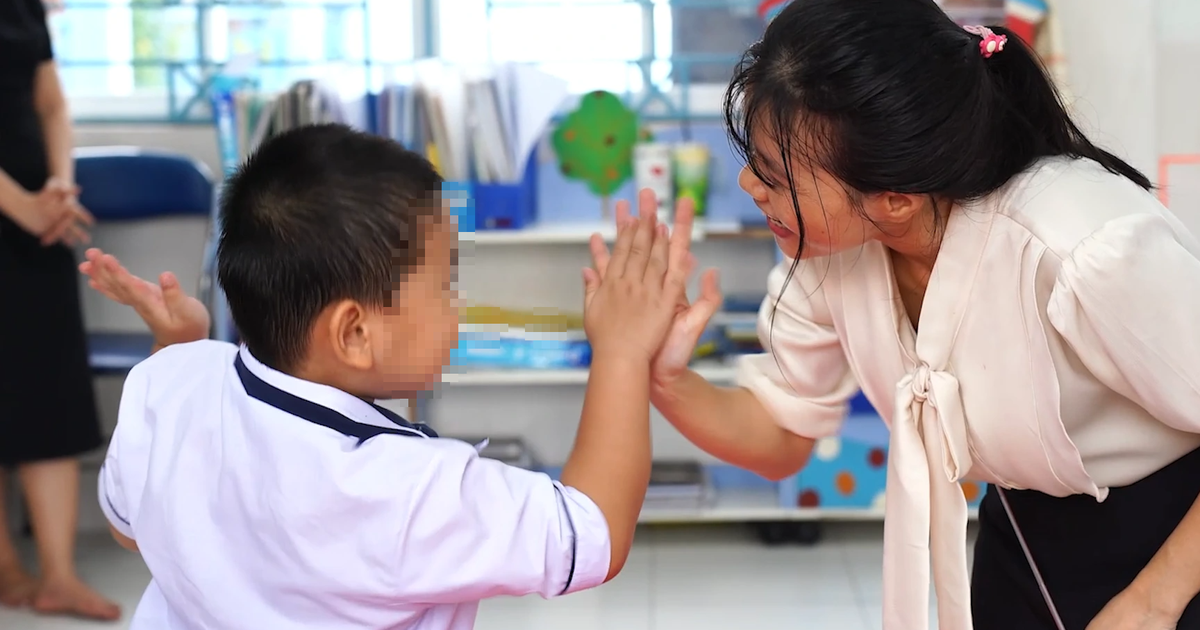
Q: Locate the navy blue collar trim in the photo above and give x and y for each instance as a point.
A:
(263, 391)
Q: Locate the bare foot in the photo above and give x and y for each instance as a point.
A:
(72, 597)
(16, 587)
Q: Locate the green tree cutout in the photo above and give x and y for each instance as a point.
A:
(594, 144)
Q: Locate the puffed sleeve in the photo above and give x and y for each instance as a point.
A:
(803, 379)
(1127, 300)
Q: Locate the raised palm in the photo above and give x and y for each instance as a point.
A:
(172, 315)
(690, 318)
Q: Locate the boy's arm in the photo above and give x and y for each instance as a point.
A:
(127, 447)
(610, 462)
(123, 540)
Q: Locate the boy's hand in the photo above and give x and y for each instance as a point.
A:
(629, 310)
(673, 357)
(172, 315)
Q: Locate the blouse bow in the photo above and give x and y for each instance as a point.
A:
(927, 512)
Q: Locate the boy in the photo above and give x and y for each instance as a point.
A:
(263, 487)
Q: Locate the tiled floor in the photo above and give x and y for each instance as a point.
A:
(677, 578)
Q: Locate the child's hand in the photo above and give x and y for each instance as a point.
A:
(629, 310)
(675, 354)
(172, 315)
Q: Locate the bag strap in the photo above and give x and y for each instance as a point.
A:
(1037, 575)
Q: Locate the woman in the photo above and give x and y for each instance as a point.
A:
(1012, 298)
(47, 407)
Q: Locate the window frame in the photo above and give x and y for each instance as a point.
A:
(184, 96)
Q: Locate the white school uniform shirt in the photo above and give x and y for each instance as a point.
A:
(1057, 351)
(259, 500)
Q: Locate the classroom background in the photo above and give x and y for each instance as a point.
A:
(495, 91)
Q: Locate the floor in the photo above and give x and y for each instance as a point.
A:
(677, 577)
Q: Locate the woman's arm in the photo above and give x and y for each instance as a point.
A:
(51, 106)
(1126, 300)
(787, 399)
(732, 425)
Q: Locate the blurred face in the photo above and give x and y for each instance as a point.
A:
(831, 222)
(420, 327)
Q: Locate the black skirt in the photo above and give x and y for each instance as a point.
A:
(47, 406)
(1087, 552)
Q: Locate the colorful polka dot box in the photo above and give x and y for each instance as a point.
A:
(849, 471)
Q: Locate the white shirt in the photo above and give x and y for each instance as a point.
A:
(1057, 351)
(255, 506)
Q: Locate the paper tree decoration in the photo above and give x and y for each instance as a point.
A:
(595, 142)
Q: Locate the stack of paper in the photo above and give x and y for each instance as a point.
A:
(479, 125)
(677, 484)
(260, 116)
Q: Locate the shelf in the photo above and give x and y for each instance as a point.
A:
(755, 505)
(744, 505)
(581, 232)
(724, 318)
(714, 371)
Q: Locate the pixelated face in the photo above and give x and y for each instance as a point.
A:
(422, 320)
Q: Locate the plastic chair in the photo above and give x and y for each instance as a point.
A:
(134, 184)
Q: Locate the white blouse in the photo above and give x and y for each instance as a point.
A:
(1059, 350)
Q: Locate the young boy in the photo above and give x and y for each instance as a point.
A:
(263, 486)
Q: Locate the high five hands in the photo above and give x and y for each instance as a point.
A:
(690, 319)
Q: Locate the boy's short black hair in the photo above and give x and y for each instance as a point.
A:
(319, 214)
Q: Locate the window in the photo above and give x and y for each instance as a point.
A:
(648, 50)
(152, 59)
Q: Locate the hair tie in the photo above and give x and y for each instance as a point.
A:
(991, 44)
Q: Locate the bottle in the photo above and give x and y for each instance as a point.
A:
(652, 169)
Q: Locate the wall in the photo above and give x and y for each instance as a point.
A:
(1135, 86)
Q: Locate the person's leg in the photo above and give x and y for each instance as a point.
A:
(52, 492)
(16, 586)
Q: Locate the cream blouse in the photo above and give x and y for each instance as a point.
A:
(1059, 350)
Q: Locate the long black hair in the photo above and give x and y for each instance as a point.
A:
(894, 96)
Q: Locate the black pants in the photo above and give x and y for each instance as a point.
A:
(1087, 552)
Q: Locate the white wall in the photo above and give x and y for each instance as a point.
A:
(1133, 76)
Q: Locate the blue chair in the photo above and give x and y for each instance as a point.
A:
(135, 184)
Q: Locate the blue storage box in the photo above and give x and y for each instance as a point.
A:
(484, 348)
(507, 206)
(462, 206)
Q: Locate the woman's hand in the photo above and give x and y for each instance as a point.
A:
(628, 310)
(1133, 609)
(71, 226)
(690, 320)
(172, 315)
(53, 214)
